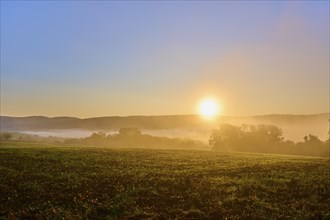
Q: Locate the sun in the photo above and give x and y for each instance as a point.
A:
(209, 108)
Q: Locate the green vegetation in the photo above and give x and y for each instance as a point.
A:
(48, 181)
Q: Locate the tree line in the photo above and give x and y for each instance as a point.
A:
(133, 138)
(265, 139)
(245, 138)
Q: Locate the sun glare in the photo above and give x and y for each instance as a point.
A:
(209, 108)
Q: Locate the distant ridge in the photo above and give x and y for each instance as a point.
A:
(106, 123)
(9, 123)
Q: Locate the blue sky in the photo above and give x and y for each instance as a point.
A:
(86, 58)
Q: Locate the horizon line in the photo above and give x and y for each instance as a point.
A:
(165, 115)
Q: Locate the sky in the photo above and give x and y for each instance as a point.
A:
(105, 58)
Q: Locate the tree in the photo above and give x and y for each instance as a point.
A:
(312, 139)
(306, 139)
(129, 132)
(6, 136)
(97, 138)
(269, 134)
(246, 137)
(98, 135)
(226, 137)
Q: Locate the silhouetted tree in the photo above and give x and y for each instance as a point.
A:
(129, 132)
(98, 135)
(246, 137)
(306, 139)
(96, 138)
(225, 137)
(269, 134)
(312, 139)
(6, 136)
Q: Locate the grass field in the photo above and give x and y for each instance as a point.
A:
(44, 181)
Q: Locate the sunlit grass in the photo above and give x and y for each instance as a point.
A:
(90, 182)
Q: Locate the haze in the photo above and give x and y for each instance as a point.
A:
(87, 59)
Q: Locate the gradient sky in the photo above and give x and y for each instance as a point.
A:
(87, 58)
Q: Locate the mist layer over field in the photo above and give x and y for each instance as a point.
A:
(294, 127)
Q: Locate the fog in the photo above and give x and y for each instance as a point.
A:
(65, 133)
(201, 134)
(296, 135)
(291, 131)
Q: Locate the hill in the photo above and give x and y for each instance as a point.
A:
(294, 126)
(99, 123)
